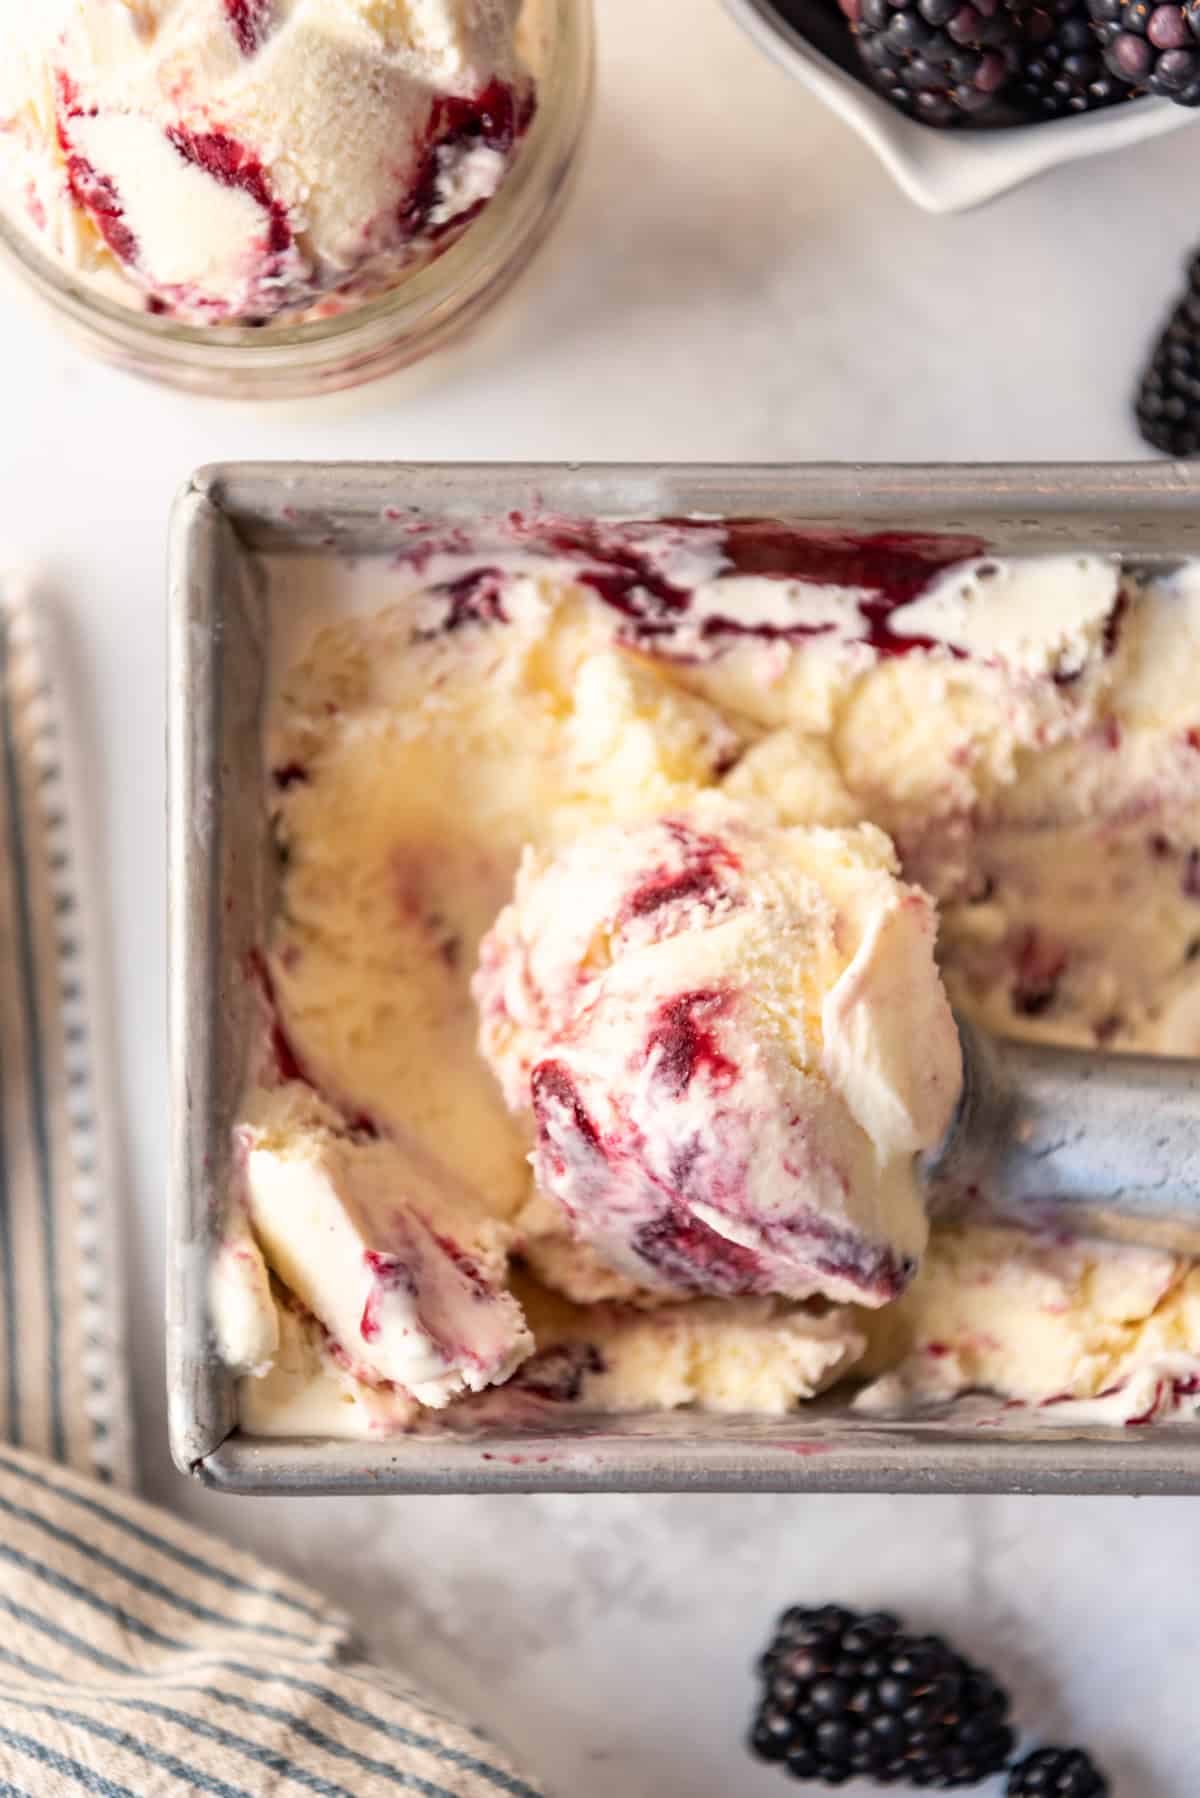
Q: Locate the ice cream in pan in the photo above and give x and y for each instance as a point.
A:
(628, 876)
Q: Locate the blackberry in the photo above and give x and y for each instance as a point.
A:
(942, 61)
(1057, 1773)
(849, 1695)
(1063, 69)
(1154, 46)
(1168, 400)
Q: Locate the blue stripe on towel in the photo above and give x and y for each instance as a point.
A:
(278, 1764)
(142, 1581)
(150, 1539)
(62, 1763)
(64, 1637)
(316, 1738)
(70, 1588)
(251, 1706)
(154, 1757)
(197, 1725)
(281, 1765)
(395, 1732)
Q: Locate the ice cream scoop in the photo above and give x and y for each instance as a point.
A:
(732, 1041)
(733, 1044)
(1090, 1144)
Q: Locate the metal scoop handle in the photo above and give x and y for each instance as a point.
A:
(1068, 1139)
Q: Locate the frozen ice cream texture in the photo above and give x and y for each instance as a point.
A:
(408, 1284)
(711, 1019)
(628, 872)
(235, 161)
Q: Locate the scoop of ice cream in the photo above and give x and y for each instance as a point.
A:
(235, 159)
(409, 1284)
(733, 1040)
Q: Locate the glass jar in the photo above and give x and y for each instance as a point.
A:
(422, 313)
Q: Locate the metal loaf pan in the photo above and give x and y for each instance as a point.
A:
(220, 886)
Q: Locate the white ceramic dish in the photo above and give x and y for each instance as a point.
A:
(949, 171)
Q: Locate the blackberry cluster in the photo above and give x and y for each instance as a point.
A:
(1154, 47)
(942, 61)
(996, 61)
(848, 1696)
(948, 62)
(1168, 400)
(1063, 69)
(1057, 1773)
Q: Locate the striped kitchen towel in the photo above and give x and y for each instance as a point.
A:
(138, 1657)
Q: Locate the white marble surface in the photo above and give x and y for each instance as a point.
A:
(736, 279)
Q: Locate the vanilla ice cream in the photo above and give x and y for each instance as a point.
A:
(409, 1285)
(746, 1354)
(239, 161)
(1083, 1327)
(708, 1018)
(685, 801)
